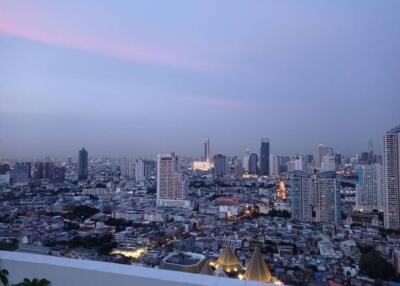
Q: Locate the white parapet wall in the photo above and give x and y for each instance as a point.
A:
(73, 272)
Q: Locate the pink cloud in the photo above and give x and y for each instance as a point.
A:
(23, 26)
(218, 102)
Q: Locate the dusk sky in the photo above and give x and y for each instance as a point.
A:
(137, 78)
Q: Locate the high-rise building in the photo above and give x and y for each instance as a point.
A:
(21, 172)
(273, 165)
(48, 170)
(253, 163)
(38, 172)
(220, 165)
(391, 177)
(245, 161)
(144, 169)
(264, 157)
(83, 162)
(207, 157)
(171, 188)
(369, 189)
(328, 163)
(299, 163)
(321, 151)
(58, 174)
(127, 168)
(315, 198)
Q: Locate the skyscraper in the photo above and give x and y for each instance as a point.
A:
(245, 162)
(48, 170)
(220, 165)
(207, 157)
(82, 164)
(369, 189)
(264, 157)
(253, 163)
(21, 172)
(127, 168)
(171, 188)
(321, 151)
(273, 165)
(144, 169)
(391, 177)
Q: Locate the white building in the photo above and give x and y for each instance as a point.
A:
(328, 163)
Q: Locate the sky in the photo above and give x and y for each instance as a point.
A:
(137, 78)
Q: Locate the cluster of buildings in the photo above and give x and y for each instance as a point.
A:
(278, 219)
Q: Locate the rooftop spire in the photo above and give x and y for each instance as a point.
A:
(257, 269)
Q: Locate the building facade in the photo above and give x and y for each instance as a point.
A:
(391, 177)
(264, 157)
(369, 188)
(83, 162)
(171, 188)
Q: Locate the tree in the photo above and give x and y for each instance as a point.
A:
(4, 276)
(375, 266)
(34, 282)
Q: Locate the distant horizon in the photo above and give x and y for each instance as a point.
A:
(129, 79)
(376, 150)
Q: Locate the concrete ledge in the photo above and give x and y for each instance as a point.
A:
(66, 272)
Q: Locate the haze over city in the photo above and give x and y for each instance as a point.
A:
(138, 79)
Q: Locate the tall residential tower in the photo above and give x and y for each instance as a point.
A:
(171, 188)
(391, 177)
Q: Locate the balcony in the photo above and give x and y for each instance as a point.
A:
(67, 272)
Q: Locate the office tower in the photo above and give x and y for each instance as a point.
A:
(69, 162)
(273, 165)
(21, 172)
(58, 175)
(328, 163)
(391, 177)
(171, 188)
(316, 198)
(245, 162)
(38, 172)
(207, 157)
(371, 156)
(338, 160)
(144, 169)
(264, 157)
(299, 163)
(369, 189)
(238, 165)
(48, 170)
(4, 168)
(321, 151)
(83, 160)
(253, 163)
(220, 165)
(127, 168)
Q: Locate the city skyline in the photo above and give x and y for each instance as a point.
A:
(120, 77)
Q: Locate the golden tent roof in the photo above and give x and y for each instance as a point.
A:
(228, 260)
(257, 269)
